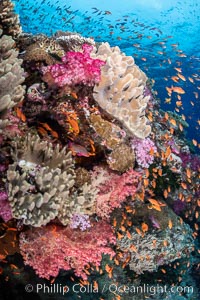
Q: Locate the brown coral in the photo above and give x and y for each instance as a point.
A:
(113, 138)
(121, 158)
(45, 49)
(82, 177)
(111, 135)
(34, 53)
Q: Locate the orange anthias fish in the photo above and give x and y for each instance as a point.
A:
(20, 114)
(170, 224)
(181, 77)
(178, 90)
(145, 227)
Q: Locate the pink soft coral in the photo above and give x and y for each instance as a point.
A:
(114, 190)
(5, 209)
(51, 248)
(76, 68)
(144, 151)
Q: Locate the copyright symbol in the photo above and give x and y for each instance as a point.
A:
(29, 288)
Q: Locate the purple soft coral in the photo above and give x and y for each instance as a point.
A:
(179, 206)
(143, 151)
(80, 221)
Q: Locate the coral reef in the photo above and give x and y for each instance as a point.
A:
(121, 90)
(97, 184)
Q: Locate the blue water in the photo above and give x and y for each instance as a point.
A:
(161, 35)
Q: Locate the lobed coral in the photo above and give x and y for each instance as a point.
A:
(39, 181)
(120, 93)
(9, 21)
(11, 75)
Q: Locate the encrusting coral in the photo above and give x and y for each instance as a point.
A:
(11, 75)
(121, 158)
(44, 49)
(120, 92)
(72, 41)
(112, 137)
(39, 180)
(153, 249)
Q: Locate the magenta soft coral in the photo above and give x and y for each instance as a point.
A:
(114, 191)
(51, 248)
(76, 68)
